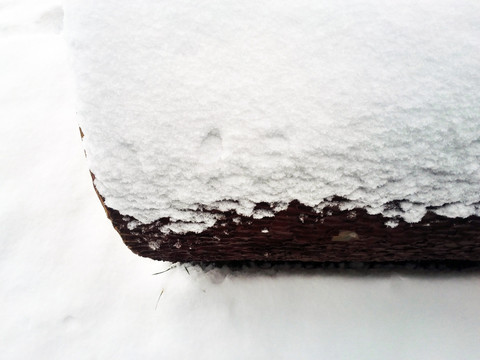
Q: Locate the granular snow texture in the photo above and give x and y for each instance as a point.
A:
(69, 288)
(227, 104)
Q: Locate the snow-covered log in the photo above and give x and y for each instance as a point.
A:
(283, 130)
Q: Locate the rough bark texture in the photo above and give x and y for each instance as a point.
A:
(300, 234)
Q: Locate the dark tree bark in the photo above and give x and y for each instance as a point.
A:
(300, 234)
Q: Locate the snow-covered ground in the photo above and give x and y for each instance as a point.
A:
(70, 289)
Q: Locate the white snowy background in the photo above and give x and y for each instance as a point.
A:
(70, 289)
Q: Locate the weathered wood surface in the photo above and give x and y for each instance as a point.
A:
(300, 234)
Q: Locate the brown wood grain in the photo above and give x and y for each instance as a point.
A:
(300, 234)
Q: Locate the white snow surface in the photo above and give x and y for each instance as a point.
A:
(199, 102)
(70, 289)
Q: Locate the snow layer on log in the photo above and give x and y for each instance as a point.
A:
(189, 105)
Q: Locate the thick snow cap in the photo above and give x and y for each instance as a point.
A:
(225, 104)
